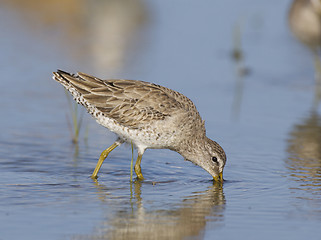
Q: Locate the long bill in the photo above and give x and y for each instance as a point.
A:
(219, 177)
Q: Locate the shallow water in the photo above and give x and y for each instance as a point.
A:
(260, 109)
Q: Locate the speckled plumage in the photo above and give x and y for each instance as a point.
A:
(149, 115)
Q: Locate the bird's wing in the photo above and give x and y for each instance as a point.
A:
(131, 103)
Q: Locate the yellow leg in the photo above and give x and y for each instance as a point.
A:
(131, 163)
(102, 157)
(138, 169)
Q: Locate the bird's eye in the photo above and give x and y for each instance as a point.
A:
(214, 159)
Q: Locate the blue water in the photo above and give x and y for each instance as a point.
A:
(264, 119)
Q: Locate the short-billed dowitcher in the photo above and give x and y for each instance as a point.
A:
(305, 22)
(149, 116)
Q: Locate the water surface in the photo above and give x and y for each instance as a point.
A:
(259, 108)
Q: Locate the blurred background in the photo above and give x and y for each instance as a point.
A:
(254, 77)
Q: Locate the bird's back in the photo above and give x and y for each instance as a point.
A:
(131, 103)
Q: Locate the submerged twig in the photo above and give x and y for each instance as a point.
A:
(76, 119)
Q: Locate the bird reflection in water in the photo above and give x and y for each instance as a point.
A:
(168, 220)
(304, 148)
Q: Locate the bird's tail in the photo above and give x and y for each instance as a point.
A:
(66, 80)
(80, 86)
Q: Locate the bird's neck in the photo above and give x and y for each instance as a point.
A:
(190, 147)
